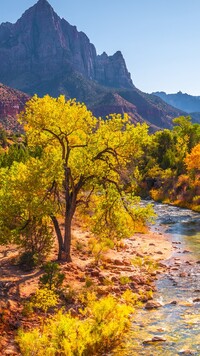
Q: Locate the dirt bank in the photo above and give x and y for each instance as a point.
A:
(130, 265)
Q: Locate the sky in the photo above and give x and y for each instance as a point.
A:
(159, 39)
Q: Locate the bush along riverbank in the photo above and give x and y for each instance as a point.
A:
(175, 176)
(183, 192)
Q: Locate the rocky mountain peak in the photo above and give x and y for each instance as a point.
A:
(118, 55)
(42, 5)
(112, 71)
(41, 14)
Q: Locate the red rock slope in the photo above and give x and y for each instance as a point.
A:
(11, 103)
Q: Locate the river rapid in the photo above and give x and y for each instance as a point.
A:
(177, 322)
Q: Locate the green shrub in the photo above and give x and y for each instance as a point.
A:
(27, 309)
(147, 262)
(88, 282)
(69, 294)
(37, 240)
(28, 260)
(52, 278)
(124, 280)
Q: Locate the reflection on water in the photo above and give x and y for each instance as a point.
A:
(178, 320)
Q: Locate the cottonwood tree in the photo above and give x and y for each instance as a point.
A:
(83, 160)
(193, 159)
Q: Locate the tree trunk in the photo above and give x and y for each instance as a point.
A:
(70, 200)
(59, 237)
(67, 237)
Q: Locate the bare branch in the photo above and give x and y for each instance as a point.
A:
(106, 150)
(59, 139)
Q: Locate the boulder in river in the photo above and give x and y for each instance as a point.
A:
(152, 304)
(156, 338)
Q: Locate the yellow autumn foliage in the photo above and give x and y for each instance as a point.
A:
(102, 327)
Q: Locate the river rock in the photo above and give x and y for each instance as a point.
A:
(161, 330)
(12, 305)
(183, 274)
(156, 338)
(186, 352)
(196, 300)
(95, 273)
(152, 304)
(139, 254)
(174, 302)
(162, 265)
(148, 288)
(11, 350)
(81, 279)
(114, 279)
(118, 262)
(126, 262)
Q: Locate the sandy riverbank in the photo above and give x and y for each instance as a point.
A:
(150, 245)
(128, 266)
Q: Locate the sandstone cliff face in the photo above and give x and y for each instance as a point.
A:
(11, 103)
(41, 45)
(111, 71)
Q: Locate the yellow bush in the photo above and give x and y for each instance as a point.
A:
(102, 327)
(44, 299)
(99, 247)
(130, 298)
(156, 194)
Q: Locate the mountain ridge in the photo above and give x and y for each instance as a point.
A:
(182, 101)
(187, 102)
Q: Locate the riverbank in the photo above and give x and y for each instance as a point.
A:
(133, 265)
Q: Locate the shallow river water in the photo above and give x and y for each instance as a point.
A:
(178, 320)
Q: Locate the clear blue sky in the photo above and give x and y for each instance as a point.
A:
(160, 39)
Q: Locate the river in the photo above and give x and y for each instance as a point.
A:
(178, 320)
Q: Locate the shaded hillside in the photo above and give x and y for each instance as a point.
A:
(195, 117)
(153, 109)
(114, 103)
